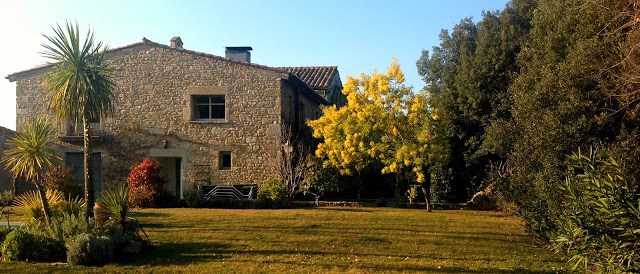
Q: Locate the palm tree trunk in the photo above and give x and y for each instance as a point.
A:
(45, 203)
(88, 169)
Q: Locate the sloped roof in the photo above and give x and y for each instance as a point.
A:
(287, 74)
(12, 77)
(316, 77)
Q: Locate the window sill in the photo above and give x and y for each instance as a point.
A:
(209, 121)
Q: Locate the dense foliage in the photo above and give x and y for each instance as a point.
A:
(61, 178)
(23, 245)
(600, 221)
(275, 192)
(91, 250)
(318, 179)
(523, 88)
(146, 186)
(383, 121)
(467, 78)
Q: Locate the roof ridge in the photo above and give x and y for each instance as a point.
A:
(307, 67)
(146, 41)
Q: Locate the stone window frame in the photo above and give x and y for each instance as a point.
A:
(221, 164)
(194, 91)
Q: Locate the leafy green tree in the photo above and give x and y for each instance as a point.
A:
(467, 78)
(318, 179)
(382, 121)
(81, 86)
(559, 102)
(30, 154)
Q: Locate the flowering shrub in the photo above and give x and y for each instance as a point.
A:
(145, 184)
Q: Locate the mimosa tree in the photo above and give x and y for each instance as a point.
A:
(383, 121)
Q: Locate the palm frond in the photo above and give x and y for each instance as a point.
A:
(81, 79)
(30, 204)
(31, 152)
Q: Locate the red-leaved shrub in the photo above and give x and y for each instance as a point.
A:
(146, 184)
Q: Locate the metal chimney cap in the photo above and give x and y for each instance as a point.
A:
(238, 48)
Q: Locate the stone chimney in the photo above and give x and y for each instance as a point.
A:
(241, 54)
(176, 42)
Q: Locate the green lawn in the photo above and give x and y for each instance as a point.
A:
(327, 240)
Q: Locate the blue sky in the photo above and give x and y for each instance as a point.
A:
(357, 36)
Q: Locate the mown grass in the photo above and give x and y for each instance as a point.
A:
(327, 240)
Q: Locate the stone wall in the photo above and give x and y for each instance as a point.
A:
(6, 178)
(153, 107)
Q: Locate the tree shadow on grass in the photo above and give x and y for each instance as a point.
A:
(179, 254)
(138, 214)
(386, 267)
(348, 209)
(151, 225)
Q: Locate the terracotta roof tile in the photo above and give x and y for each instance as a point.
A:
(315, 77)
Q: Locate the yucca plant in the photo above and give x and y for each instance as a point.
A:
(69, 206)
(31, 205)
(117, 201)
(30, 154)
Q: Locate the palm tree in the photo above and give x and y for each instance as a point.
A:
(30, 155)
(81, 85)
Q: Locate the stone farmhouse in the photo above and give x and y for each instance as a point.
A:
(208, 120)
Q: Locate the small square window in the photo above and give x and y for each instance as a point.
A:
(225, 160)
(209, 107)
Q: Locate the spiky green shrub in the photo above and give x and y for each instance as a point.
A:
(117, 201)
(66, 227)
(71, 205)
(29, 203)
(600, 224)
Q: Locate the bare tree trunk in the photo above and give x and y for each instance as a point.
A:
(426, 190)
(292, 152)
(88, 168)
(45, 203)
